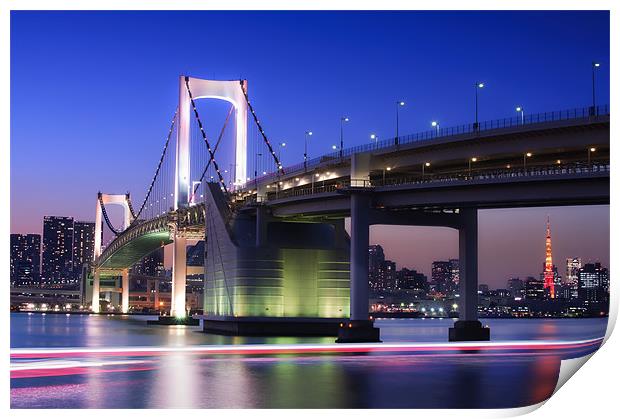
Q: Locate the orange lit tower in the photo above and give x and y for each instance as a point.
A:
(549, 275)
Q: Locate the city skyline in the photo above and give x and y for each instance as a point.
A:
(535, 79)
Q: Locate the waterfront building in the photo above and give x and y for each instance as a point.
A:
(376, 260)
(593, 283)
(25, 260)
(535, 288)
(83, 246)
(57, 252)
(454, 273)
(151, 265)
(441, 278)
(571, 279)
(410, 279)
(516, 287)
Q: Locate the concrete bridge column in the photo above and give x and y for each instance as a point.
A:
(95, 301)
(179, 278)
(261, 226)
(125, 291)
(156, 301)
(468, 327)
(360, 204)
(360, 327)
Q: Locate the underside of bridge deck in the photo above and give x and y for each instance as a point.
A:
(136, 249)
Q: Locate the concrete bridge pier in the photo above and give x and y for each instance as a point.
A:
(468, 327)
(179, 278)
(125, 291)
(359, 328)
(95, 301)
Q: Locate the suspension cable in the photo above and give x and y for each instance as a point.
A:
(217, 144)
(161, 160)
(260, 128)
(105, 215)
(130, 205)
(204, 137)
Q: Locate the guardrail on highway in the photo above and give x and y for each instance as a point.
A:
(474, 175)
(587, 113)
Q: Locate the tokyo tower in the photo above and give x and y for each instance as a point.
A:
(549, 276)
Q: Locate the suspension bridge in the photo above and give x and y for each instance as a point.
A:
(277, 257)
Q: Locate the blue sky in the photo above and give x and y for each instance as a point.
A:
(92, 93)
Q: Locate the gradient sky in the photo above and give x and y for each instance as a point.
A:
(92, 94)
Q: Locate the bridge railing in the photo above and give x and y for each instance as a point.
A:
(588, 113)
(474, 175)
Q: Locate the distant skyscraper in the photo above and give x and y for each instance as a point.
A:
(593, 283)
(455, 277)
(410, 279)
(196, 254)
(549, 276)
(571, 280)
(534, 289)
(57, 266)
(83, 246)
(25, 260)
(441, 277)
(151, 265)
(376, 260)
(516, 287)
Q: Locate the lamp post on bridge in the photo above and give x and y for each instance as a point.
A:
(590, 151)
(525, 156)
(424, 165)
(375, 138)
(470, 161)
(256, 170)
(306, 135)
(477, 86)
(384, 170)
(399, 103)
(595, 65)
(519, 110)
(343, 119)
(435, 125)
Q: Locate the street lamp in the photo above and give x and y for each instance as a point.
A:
(399, 103)
(424, 165)
(384, 170)
(477, 86)
(519, 109)
(595, 65)
(435, 124)
(470, 161)
(307, 134)
(590, 151)
(525, 156)
(374, 138)
(282, 145)
(256, 168)
(343, 119)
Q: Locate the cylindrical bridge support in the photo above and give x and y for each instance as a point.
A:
(360, 206)
(360, 328)
(125, 291)
(179, 278)
(95, 300)
(468, 328)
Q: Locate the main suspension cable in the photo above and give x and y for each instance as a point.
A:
(204, 137)
(217, 144)
(260, 128)
(161, 160)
